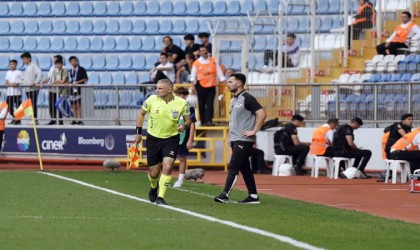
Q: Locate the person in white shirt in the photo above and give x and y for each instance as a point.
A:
(31, 79)
(165, 70)
(52, 95)
(14, 94)
(401, 37)
(291, 54)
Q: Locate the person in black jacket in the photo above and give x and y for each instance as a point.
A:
(398, 130)
(344, 146)
(364, 19)
(78, 75)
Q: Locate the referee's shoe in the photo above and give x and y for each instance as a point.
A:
(153, 194)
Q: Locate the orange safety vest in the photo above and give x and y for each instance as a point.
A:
(401, 33)
(206, 73)
(361, 9)
(405, 143)
(3, 105)
(319, 142)
(385, 138)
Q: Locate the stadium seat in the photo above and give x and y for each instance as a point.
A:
(131, 79)
(16, 9)
(17, 27)
(86, 27)
(140, 8)
(415, 77)
(139, 62)
(122, 44)
(112, 99)
(96, 44)
(193, 8)
(109, 44)
(45, 63)
(406, 77)
(113, 8)
(247, 6)
(233, 8)
(113, 27)
(70, 44)
(29, 10)
(126, 27)
(227, 61)
(73, 9)
(260, 5)
(396, 77)
(73, 27)
(165, 27)
(166, 8)
(381, 66)
(152, 27)
(86, 9)
(4, 44)
(235, 46)
(83, 45)
(57, 44)
(99, 63)
(4, 64)
(179, 27)
(144, 78)
(326, 24)
(125, 97)
(112, 62)
(86, 62)
(206, 8)
(139, 27)
(100, 97)
(343, 79)
(127, 8)
(59, 27)
(150, 62)
(58, 9)
(177, 41)
(193, 26)
(106, 78)
(100, 9)
(393, 66)
(4, 10)
(44, 44)
(219, 8)
(386, 77)
(99, 28)
(370, 65)
(118, 78)
(259, 43)
(179, 8)
(135, 44)
(203, 26)
(224, 45)
(44, 9)
(322, 6)
(354, 78)
(4, 28)
(31, 28)
(125, 62)
(153, 8)
(30, 44)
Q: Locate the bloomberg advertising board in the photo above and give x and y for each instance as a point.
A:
(83, 141)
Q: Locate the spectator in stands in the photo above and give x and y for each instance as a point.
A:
(190, 46)
(322, 138)
(184, 71)
(51, 102)
(407, 149)
(344, 146)
(60, 77)
(364, 19)
(31, 79)
(165, 70)
(78, 75)
(204, 74)
(286, 142)
(403, 34)
(204, 38)
(14, 94)
(396, 131)
(175, 53)
(291, 55)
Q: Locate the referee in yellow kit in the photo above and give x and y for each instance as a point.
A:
(164, 111)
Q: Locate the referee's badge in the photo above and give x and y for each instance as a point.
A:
(175, 114)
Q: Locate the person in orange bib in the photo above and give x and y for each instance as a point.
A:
(364, 19)
(407, 149)
(401, 37)
(204, 74)
(322, 138)
(4, 110)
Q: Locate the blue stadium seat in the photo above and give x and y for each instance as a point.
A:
(203, 26)
(16, 44)
(220, 8)
(291, 25)
(30, 44)
(86, 27)
(165, 27)
(234, 8)
(93, 77)
(259, 43)
(135, 44)
(17, 27)
(119, 78)
(148, 43)
(299, 7)
(153, 8)
(86, 62)
(109, 44)
(304, 25)
(44, 9)
(16, 9)
(4, 28)
(150, 61)
(206, 8)
(193, 26)
(326, 24)
(126, 62)
(100, 9)
(73, 9)
(106, 78)
(417, 60)
(113, 27)
(247, 6)
(125, 97)
(4, 64)
(235, 46)
(272, 43)
(70, 44)
(322, 6)
(139, 62)
(140, 8)
(335, 8)
(227, 61)
(73, 27)
(96, 44)
(86, 9)
(338, 23)
(261, 5)
(45, 62)
(406, 77)
(166, 8)
(179, 27)
(415, 77)
(386, 77)
(4, 44)
(4, 10)
(224, 45)
(177, 41)
(83, 44)
(112, 99)
(30, 9)
(58, 9)
(99, 62)
(122, 44)
(396, 77)
(44, 44)
(99, 28)
(126, 27)
(112, 62)
(179, 8)
(114, 8)
(131, 79)
(127, 8)
(273, 6)
(237, 59)
(100, 98)
(59, 27)
(57, 44)
(31, 28)
(152, 27)
(144, 77)
(193, 8)
(139, 27)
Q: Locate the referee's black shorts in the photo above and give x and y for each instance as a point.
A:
(158, 148)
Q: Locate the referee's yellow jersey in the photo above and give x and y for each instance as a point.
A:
(163, 117)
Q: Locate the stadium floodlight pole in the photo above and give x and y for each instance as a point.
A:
(346, 33)
(313, 20)
(280, 44)
(379, 23)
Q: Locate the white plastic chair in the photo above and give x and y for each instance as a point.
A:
(280, 159)
(370, 65)
(317, 163)
(336, 163)
(343, 79)
(381, 66)
(393, 66)
(394, 164)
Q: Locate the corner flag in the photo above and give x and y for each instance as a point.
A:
(25, 109)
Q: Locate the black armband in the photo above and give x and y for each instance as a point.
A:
(138, 130)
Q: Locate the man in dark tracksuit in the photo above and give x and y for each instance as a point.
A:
(246, 119)
(286, 142)
(398, 130)
(344, 146)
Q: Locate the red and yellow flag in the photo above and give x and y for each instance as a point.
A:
(133, 154)
(25, 109)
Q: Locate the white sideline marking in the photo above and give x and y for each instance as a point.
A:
(278, 237)
(324, 189)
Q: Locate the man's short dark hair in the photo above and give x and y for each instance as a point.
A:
(190, 56)
(239, 76)
(297, 118)
(170, 38)
(405, 116)
(58, 60)
(182, 91)
(58, 57)
(357, 120)
(73, 58)
(164, 54)
(26, 55)
(13, 61)
(203, 34)
(407, 13)
(291, 35)
(203, 46)
(332, 120)
(189, 37)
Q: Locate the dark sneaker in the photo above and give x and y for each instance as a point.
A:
(250, 200)
(222, 198)
(51, 123)
(80, 123)
(74, 123)
(161, 201)
(300, 171)
(153, 194)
